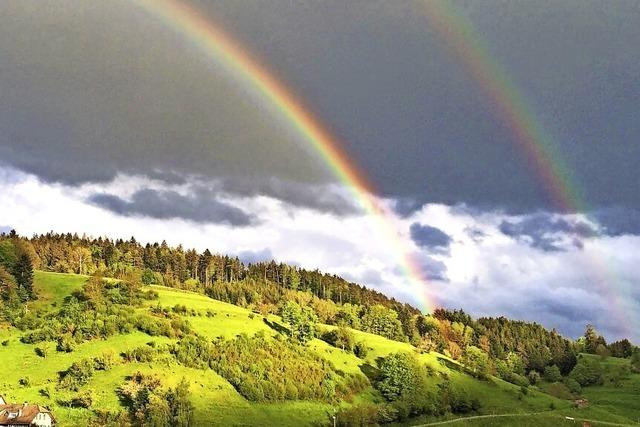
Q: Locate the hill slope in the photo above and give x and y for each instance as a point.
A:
(31, 377)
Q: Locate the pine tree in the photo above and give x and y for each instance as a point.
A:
(23, 273)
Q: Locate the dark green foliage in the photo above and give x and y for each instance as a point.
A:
(592, 340)
(105, 361)
(82, 400)
(78, 374)
(552, 374)
(622, 348)
(24, 381)
(361, 415)
(455, 400)
(23, 274)
(41, 351)
(573, 386)
(535, 345)
(65, 343)
(143, 353)
(340, 338)
(151, 405)
(587, 372)
(403, 382)
(534, 377)
(361, 350)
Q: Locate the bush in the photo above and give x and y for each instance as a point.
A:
(587, 372)
(534, 377)
(364, 414)
(552, 374)
(65, 344)
(82, 400)
(573, 386)
(41, 351)
(361, 350)
(24, 381)
(78, 374)
(105, 361)
(5, 343)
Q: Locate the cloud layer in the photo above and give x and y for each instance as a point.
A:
(483, 270)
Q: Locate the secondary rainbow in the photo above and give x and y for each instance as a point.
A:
(214, 42)
(539, 147)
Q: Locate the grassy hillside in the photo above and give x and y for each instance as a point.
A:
(29, 377)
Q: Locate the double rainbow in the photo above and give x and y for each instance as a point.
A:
(459, 34)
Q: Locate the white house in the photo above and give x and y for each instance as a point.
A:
(24, 414)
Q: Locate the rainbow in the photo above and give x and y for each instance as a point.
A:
(458, 33)
(218, 46)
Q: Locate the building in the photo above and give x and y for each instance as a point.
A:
(24, 414)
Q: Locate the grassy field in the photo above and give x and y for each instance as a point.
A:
(218, 403)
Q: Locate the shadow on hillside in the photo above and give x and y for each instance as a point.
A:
(275, 326)
(370, 371)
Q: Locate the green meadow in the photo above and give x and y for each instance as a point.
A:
(32, 378)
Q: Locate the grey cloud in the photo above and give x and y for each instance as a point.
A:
(617, 221)
(91, 90)
(95, 88)
(201, 207)
(432, 269)
(428, 237)
(252, 257)
(5, 229)
(547, 233)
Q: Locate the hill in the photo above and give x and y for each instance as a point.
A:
(161, 336)
(215, 399)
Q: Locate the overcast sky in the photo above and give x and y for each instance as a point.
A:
(111, 123)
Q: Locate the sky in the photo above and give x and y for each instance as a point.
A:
(113, 123)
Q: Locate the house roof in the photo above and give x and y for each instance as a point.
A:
(27, 413)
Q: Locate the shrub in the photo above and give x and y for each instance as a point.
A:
(5, 343)
(41, 351)
(82, 400)
(65, 344)
(78, 374)
(534, 377)
(587, 372)
(552, 374)
(24, 381)
(361, 350)
(105, 361)
(573, 385)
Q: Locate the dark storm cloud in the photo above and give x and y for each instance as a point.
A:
(432, 269)
(90, 89)
(200, 207)
(548, 233)
(429, 237)
(618, 221)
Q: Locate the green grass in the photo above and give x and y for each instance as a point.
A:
(52, 288)
(218, 403)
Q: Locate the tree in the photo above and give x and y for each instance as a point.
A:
(180, 405)
(23, 273)
(7, 285)
(592, 340)
(477, 361)
(301, 320)
(402, 376)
